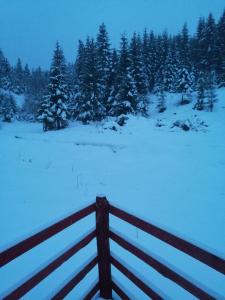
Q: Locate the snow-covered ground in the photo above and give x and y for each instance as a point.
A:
(173, 178)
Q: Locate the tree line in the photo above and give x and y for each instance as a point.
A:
(112, 82)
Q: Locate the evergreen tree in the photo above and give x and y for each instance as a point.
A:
(146, 57)
(18, 76)
(57, 92)
(184, 85)
(8, 107)
(220, 64)
(90, 108)
(112, 83)
(5, 73)
(126, 97)
(77, 100)
(103, 64)
(138, 74)
(201, 91)
(210, 91)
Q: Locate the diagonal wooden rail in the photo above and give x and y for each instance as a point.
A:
(104, 258)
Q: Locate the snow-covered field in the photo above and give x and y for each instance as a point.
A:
(173, 178)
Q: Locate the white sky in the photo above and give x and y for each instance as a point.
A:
(29, 28)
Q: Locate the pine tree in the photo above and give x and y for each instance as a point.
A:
(169, 71)
(18, 76)
(57, 93)
(89, 107)
(146, 57)
(138, 74)
(112, 83)
(210, 91)
(8, 107)
(153, 60)
(126, 97)
(184, 85)
(77, 100)
(103, 64)
(201, 91)
(220, 64)
(5, 73)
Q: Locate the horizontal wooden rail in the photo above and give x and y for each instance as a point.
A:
(138, 282)
(161, 268)
(38, 277)
(29, 243)
(207, 258)
(119, 292)
(92, 292)
(75, 280)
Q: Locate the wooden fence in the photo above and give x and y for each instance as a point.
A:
(104, 258)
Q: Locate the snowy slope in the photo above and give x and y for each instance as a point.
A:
(173, 178)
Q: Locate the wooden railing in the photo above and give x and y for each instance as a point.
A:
(105, 259)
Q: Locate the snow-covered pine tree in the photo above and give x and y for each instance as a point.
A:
(5, 73)
(126, 97)
(184, 83)
(56, 100)
(89, 106)
(160, 89)
(8, 107)
(77, 102)
(201, 91)
(103, 65)
(26, 78)
(112, 83)
(138, 74)
(147, 57)
(211, 38)
(153, 60)
(220, 67)
(18, 78)
(169, 71)
(210, 91)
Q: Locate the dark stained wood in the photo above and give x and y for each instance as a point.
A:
(29, 243)
(92, 292)
(138, 282)
(161, 268)
(119, 292)
(207, 258)
(38, 277)
(102, 232)
(75, 280)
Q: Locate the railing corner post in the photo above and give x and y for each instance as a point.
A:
(102, 231)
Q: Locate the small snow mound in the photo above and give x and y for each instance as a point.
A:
(195, 124)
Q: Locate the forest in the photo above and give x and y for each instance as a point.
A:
(105, 82)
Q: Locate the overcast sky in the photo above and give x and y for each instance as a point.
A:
(29, 29)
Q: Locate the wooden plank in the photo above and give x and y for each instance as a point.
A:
(138, 282)
(161, 268)
(36, 239)
(102, 232)
(38, 277)
(92, 292)
(119, 292)
(207, 258)
(75, 280)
